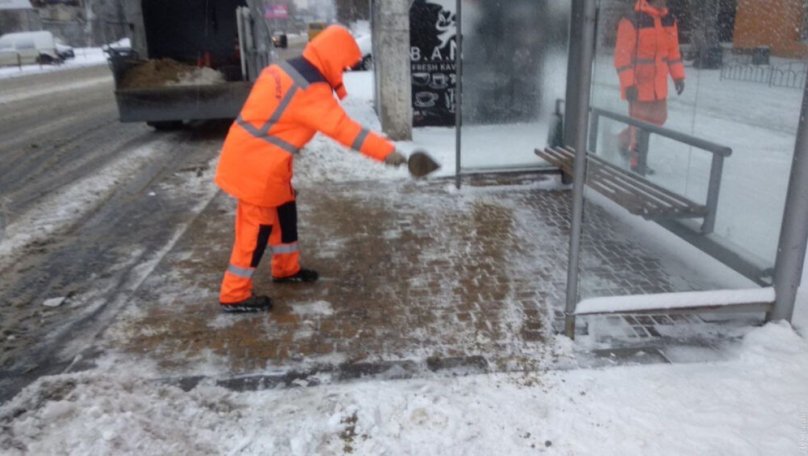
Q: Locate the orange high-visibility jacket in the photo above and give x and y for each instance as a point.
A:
(288, 104)
(647, 50)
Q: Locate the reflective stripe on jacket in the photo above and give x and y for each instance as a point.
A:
(647, 50)
(288, 104)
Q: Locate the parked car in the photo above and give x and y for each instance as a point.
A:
(64, 51)
(122, 47)
(25, 48)
(280, 40)
(366, 46)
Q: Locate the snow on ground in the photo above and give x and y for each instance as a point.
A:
(84, 57)
(65, 207)
(31, 93)
(753, 402)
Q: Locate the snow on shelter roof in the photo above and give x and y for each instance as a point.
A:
(15, 5)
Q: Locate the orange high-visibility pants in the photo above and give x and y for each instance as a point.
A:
(255, 227)
(654, 112)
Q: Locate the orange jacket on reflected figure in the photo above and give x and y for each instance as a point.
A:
(647, 50)
(288, 104)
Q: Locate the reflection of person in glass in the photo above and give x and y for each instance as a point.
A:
(647, 50)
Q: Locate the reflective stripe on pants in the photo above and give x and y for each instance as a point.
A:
(256, 227)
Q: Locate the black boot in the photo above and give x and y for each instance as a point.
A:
(303, 275)
(251, 304)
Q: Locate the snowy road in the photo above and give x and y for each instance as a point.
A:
(53, 133)
(84, 199)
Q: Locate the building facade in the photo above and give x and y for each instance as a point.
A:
(18, 16)
(779, 25)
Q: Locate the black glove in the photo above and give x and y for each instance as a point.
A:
(631, 93)
(680, 86)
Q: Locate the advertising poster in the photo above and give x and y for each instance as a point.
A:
(433, 49)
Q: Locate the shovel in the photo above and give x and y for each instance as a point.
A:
(420, 164)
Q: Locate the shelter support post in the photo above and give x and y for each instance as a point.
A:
(584, 49)
(458, 88)
(794, 230)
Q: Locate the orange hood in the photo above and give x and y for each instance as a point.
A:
(643, 7)
(332, 51)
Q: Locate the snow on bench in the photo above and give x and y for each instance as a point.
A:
(756, 299)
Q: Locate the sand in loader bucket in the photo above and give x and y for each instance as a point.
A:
(168, 72)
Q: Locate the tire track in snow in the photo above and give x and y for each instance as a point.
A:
(102, 259)
(61, 210)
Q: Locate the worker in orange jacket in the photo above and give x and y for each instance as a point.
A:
(288, 104)
(646, 52)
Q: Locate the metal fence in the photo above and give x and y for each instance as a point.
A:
(791, 75)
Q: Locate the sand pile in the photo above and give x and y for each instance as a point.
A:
(167, 72)
(200, 76)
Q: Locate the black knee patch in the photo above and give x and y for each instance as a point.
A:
(287, 219)
(261, 244)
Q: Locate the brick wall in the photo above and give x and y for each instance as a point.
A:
(777, 24)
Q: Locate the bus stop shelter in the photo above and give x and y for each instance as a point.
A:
(722, 182)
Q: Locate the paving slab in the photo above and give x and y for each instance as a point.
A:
(416, 277)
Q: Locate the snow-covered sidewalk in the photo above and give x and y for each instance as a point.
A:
(754, 404)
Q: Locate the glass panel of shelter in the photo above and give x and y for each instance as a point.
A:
(724, 46)
(514, 70)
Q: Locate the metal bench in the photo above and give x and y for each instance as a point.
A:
(631, 191)
(674, 212)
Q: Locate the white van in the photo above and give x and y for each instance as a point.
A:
(25, 48)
